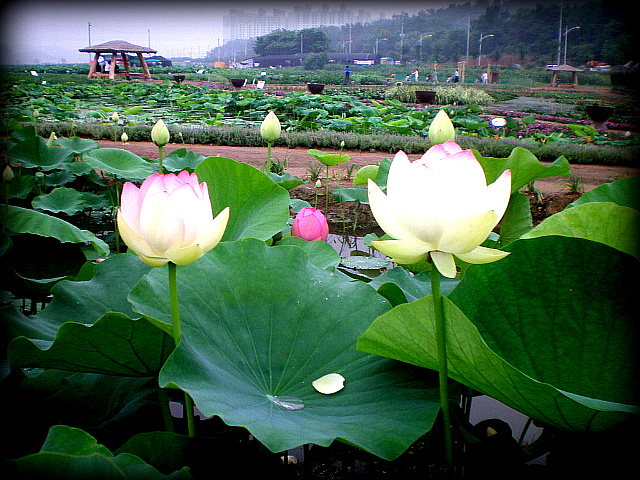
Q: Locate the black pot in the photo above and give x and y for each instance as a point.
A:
(425, 96)
(178, 78)
(315, 88)
(599, 113)
(238, 82)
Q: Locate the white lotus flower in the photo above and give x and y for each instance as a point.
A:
(439, 206)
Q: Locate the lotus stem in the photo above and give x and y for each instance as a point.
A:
(177, 335)
(267, 166)
(160, 167)
(443, 375)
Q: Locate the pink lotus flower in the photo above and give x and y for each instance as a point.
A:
(169, 219)
(310, 224)
(439, 206)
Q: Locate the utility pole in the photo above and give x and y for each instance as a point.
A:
(560, 35)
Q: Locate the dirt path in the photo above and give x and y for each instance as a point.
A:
(299, 162)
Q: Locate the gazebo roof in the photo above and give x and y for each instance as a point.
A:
(117, 46)
(564, 68)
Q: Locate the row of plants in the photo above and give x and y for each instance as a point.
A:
(278, 345)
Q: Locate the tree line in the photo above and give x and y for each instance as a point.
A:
(529, 33)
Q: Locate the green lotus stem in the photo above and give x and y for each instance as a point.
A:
(160, 167)
(267, 166)
(443, 375)
(177, 335)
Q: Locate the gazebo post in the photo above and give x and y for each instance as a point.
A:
(143, 64)
(125, 61)
(94, 65)
(112, 70)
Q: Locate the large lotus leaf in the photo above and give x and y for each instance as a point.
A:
(24, 220)
(77, 145)
(401, 286)
(182, 159)
(524, 166)
(624, 192)
(86, 301)
(549, 331)
(61, 199)
(258, 208)
(71, 453)
(259, 324)
(604, 222)
(33, 152)
(114, 345)
(119, 162)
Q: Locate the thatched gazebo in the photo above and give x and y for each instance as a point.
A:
(115, 47)
(563, 68)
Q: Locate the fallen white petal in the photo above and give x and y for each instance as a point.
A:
(331, 383)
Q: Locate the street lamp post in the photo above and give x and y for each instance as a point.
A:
(423, 36)
(378, 41)
(567, 30)
(480, 49)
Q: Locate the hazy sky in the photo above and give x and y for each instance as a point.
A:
(50, 31)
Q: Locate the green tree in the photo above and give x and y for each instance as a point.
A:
(287, 42)
(315, 61)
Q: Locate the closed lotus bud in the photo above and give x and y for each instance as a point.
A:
(270, 128)
(115, 117)
(318, 183)
(52, 138)
(124, 137)
(310, 224)
(160, 134)
(7, 174)
(441, 129)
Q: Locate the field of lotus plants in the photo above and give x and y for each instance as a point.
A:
(179, 316)
(206, 106)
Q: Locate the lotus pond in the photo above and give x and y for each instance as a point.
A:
(97, 382)
(206, 106)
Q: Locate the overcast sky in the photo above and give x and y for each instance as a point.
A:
(53, 30)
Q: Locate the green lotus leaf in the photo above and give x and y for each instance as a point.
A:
(624, 192)
(33, 152)
(119, 162)
(604, 222)
(114, 345)
(258, 208)
(548, 330)
(524, 166)
(24, 220)
(61, 199)
(72, 454)
(260, 324)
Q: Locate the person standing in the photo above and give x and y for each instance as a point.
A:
(347, 75)
(415, 75)
(456, 76)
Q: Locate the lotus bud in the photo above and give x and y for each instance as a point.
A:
(441, 129)
(341, 144)
(7, 174)
(310, 224)
(124, 137)
(115, 117)
(52, 138)
(160, 134)
(270, 128)
(318, 183)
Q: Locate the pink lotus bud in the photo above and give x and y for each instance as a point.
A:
(310, 224)
(169, 219)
